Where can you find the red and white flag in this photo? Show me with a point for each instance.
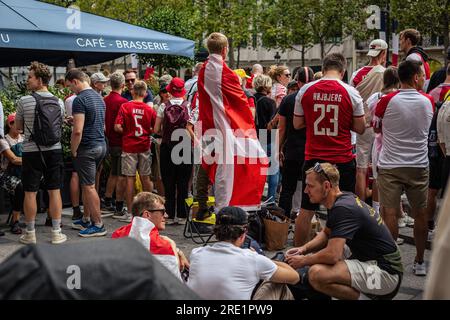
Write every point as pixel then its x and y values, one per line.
pixel 240 174
pixel 145 232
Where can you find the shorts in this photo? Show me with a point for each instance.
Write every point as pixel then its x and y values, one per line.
pixel 347 172
pixel 364 144
pixel 132 162
pixel 368 278
pixel 33 170
pixel 392 182
pixel 436 180
pixel 87 162
pixel 116 160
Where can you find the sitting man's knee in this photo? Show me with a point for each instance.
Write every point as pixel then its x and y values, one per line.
pixel 317 275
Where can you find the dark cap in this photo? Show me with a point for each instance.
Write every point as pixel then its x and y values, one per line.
pixel 292 84
pixel 162 88
pixel 232 216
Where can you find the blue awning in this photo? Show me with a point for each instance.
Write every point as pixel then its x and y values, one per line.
pixel 33 30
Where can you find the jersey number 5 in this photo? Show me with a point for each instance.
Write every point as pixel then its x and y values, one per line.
pixel 138 132
pixel 325 130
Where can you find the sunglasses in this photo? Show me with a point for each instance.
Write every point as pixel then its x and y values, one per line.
pixel 288 75
pixel 130 80
pixel 163 211
pixel 318 169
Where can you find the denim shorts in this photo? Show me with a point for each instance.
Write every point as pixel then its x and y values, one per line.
pixel 87 162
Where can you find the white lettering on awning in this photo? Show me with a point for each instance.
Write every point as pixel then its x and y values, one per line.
pixel 4 37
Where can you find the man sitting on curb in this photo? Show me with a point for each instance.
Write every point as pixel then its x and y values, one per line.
pixel 224 271
pixel 375 266
pixel 149 217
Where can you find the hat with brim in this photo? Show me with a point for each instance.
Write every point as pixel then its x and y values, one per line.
pixel 241 73
pixel 99 77
pixel 176 88
pixel 376 46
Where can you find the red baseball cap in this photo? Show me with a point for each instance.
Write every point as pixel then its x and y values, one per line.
pixel 11 117
pixel 176 88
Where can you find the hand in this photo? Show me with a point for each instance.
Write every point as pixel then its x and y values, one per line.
pixel 296 261
pixel 184 263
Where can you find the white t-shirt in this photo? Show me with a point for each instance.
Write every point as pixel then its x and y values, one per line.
pixel 68 104
pixel 405 121
pixel 225 272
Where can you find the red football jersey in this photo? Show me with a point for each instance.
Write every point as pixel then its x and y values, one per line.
pixel 328 107
pixel 137 120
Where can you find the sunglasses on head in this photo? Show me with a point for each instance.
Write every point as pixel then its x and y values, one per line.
pixel 318 169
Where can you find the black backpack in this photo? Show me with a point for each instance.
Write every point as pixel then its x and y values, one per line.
pixel 48 120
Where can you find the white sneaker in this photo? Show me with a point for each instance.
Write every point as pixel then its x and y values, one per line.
pixel 408 220
pixel 419 269
pixel 400 241
pixel 29 237
pixel 401 223
pixel 127 218
pixel 58 237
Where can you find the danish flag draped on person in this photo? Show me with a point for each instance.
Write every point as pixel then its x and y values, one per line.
pixel 240 169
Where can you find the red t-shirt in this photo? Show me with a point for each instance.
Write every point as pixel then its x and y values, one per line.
pixel 328 107
pixel 113 102
pixel 137 120
pixel 249 83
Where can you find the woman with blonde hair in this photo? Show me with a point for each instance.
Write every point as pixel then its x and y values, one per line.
pixel 280 76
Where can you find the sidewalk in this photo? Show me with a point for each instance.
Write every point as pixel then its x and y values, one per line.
pixel 411 288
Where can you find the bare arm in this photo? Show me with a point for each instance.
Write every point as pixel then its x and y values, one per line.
pixel 330 255
pixel 282 131
pixel 359 125
pixel 318 243
pixel 158 123
pixel 77 132
pixel 299 122
pixel 17 161
pixel 285 274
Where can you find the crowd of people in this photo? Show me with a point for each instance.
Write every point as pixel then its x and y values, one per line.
pixel 377 139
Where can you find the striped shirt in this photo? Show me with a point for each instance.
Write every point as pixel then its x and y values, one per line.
pixel 25 110
pixel 91 104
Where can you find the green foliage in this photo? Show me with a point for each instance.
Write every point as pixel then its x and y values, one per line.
pixel 174 22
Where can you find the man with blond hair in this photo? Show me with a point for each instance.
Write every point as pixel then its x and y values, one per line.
pixel 375 266
pixel 135 121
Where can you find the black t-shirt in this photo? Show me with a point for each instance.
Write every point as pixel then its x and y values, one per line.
pixel 265 110
pixel 365 232
pixel 294 148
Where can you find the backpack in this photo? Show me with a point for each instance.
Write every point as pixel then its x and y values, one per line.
pixel 175 117
pixel 48 120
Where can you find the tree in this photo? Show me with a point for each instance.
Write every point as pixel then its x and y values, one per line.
pixel 175 22
pixel 429 17
pixel 234 18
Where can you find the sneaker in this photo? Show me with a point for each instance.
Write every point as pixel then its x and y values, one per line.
pixel 120 214
pixel 29 237
pixel 93 231
pixel 419 269
pixel 400 241
pixel 126 218
pixel 109 206
pixel 58 237
pixel 15 228
pixel 80 224
pixel 408 220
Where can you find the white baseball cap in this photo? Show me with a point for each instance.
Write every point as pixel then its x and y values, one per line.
pixel 376 46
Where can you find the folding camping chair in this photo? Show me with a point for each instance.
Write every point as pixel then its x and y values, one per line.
pixel 191 229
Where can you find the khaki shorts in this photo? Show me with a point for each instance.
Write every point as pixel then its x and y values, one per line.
pixel 136 161
pixel 368 278
pixel 364 144
pixel 392 182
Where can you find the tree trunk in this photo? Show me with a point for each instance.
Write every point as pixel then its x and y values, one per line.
pixel 231 53
pixel 446 31
pixel 322 49
pixel 238 57
pixel 303 56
